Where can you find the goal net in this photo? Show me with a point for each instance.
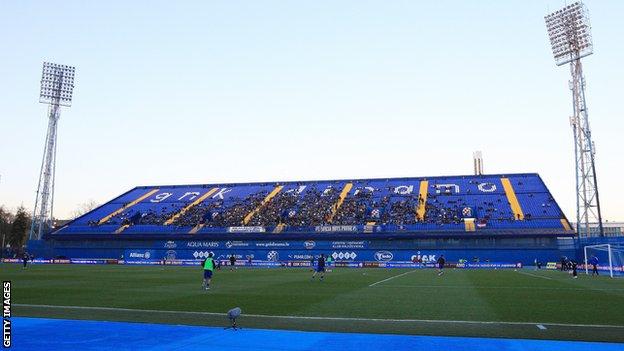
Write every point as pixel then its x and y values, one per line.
pixel 609 259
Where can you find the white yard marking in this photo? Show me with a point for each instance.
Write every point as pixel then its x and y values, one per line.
pixel 394 276
pixel 347 319
pixel 535 275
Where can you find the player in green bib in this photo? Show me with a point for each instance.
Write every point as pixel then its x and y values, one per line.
pixel 209 265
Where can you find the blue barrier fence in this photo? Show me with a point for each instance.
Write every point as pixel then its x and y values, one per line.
pixel 304 250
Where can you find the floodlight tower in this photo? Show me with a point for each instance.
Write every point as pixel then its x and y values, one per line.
pixel 57 87
pixel 569 31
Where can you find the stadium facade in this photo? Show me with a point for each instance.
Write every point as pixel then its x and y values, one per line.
pixel 496 218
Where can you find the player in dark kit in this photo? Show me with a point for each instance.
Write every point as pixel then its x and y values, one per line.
pixel 594 262
pixel 232 262
pixel 209 265
pixel 25 260
pixel 320 267
pixel 441 262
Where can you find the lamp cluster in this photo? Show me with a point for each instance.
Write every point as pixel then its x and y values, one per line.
pixel 57 84
pixel 569 31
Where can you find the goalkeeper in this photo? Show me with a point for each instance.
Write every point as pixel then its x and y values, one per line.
pixel 209 265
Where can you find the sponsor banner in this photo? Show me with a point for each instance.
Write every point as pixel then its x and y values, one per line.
pixel 307 257
pixel 335 228
pixel 402 265
pixel 309 244
pixel 59 261
pixel 371 264
pixel 349 264
pixel 252 229
pixel 38 261
pixel 236 244
pixel 87 261
pixel 551 265
pixel 601 268
pixel 144 262
pixel 266 264
pixel 346 256
pixel 299 264
pixel 139 255
pixel 202 244
pixel 489 265
pixel 423 258
pixel 273 244
pixel 383 256
pixel 348 244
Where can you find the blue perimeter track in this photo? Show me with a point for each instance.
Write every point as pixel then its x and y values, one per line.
pixel 64 334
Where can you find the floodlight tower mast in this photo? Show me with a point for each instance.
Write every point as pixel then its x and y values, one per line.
pixel 569 31
pixel 57 86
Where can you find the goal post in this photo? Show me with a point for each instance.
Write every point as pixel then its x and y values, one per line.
pixel 611 254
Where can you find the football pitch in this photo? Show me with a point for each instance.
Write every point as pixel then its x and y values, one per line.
pixel 486 303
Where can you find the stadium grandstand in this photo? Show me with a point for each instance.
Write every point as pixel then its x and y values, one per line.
pixel 488 217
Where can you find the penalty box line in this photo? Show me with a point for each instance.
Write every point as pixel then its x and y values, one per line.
pixel 346 319
pixel 394 276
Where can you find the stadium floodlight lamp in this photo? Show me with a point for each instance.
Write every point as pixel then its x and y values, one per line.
pixel 57 84
pixel 569 31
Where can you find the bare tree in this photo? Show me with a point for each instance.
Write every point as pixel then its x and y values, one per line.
pixel 84 208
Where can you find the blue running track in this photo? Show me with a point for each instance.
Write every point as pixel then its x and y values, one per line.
pixel 62 334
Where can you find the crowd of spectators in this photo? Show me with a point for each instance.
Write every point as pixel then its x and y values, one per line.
pixel 321 206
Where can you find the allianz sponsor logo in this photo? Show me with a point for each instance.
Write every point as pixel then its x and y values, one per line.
pixel 144 255
pixel 200 244
pixel 309 244
pixel 273 244
pixel 384 256
pixel 231 244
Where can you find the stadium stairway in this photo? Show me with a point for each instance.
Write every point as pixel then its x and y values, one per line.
pixel 343 194
pixel 422 205
pixel 264 202
pixel 127 206
pixel 188 207
pixel 513 200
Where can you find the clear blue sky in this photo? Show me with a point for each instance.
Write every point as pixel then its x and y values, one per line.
pixel 226 91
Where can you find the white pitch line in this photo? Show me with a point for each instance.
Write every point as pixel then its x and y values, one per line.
pixel 541 327
pixel 493 287
pixel 535 275
pixel 347 319
pixel 394 276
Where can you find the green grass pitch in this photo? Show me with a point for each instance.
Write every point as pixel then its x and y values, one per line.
pixel 491 303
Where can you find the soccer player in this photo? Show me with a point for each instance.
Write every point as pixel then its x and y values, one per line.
pixel 594 262
pixel 209 266
pixel 574 273
pixel 232 262
pixel 320 267
pixel 329 263
pixel 441 262
pixel 25 260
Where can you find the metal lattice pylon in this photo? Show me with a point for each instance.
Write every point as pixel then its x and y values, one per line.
pixel 57 84
pixel 569 32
